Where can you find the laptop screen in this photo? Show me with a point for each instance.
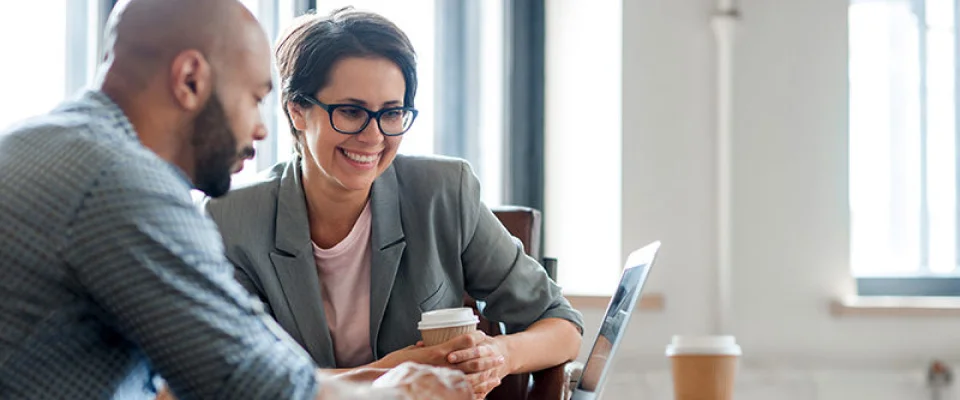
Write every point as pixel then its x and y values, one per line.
pixel 615 320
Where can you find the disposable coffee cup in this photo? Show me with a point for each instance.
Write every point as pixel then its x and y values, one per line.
pixel 704 367
pixel 439 326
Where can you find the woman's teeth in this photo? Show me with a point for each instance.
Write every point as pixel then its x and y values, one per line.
pixel 360 157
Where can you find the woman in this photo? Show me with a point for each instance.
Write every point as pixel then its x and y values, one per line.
pixel 348 243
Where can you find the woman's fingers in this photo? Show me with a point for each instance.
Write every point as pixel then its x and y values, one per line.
pixel 465 341
pixel 469 354
pixel 480 364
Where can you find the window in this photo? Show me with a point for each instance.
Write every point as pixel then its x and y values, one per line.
pixel 491 99
pixel 36 43
pixel 903 146
pixel 584 191
pixel 273 16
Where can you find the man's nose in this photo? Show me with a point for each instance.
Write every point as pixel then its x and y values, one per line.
pixel 260 133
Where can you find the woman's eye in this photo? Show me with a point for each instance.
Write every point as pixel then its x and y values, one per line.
pixel 395 114
pixel 350 112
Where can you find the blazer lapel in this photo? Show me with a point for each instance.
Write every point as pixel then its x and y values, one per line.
pixel 296 269
pixel 387 242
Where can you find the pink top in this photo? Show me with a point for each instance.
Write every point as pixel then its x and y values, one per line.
pixel 344 272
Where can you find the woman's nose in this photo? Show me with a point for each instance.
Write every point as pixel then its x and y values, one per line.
pixel 371 134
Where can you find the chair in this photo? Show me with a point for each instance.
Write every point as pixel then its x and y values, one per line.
pixel 524 223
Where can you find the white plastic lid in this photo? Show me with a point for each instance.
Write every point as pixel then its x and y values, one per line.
pixel 447 317
pixel 704 345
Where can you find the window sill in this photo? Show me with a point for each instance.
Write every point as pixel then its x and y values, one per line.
pixel 872 306
pixel 653 302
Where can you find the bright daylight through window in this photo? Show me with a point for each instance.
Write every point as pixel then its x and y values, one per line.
pixel 903 138
pixel 33 75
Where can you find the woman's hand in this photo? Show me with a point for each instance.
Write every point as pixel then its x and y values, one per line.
pixel 471 353
pixel 485 363
pixel 431 355
pixel 419 381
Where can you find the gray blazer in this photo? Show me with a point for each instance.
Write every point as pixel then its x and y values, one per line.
pixel 432 238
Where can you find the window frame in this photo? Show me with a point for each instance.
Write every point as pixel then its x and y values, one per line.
pixel 923 282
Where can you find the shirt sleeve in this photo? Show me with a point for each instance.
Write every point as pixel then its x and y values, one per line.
pixel 515 288
pixel 155 264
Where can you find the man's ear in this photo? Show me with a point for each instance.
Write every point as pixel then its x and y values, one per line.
pixel 297 115
pixel 191 79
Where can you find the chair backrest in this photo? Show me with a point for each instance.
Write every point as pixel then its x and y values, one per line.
pixel 524 224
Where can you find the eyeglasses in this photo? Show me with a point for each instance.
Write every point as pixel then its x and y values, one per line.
pixel 351 119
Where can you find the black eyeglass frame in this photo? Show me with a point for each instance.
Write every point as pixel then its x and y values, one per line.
pixel 330 108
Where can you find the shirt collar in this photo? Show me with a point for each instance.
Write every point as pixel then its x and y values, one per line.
pixel 111 111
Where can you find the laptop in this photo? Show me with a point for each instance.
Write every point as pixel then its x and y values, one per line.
pixel 615 321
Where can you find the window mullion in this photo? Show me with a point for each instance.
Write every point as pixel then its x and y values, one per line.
pixel 956 125
pixel 923 32
pixel 267 154
pixel 76 56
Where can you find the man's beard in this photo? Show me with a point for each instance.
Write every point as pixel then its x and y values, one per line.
pixel 215 149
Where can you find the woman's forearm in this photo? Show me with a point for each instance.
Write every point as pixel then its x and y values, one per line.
pixel 546 343
pixel 382 364
pixel 334 371
pixel 363 374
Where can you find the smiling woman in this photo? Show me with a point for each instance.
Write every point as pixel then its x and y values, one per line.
pixel 349 242
pixel 346 149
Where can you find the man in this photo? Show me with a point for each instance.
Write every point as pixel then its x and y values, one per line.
pixel 110 275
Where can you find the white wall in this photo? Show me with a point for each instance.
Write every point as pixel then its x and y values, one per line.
pixel 668 149
pixel 790 213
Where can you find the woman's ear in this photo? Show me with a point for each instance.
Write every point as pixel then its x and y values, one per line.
pixel 297 116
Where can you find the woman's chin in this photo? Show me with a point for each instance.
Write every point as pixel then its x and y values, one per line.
pixel 355 183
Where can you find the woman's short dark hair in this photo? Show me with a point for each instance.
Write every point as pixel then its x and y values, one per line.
pixel 308 49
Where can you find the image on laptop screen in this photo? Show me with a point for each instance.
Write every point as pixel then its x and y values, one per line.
pixel 614 324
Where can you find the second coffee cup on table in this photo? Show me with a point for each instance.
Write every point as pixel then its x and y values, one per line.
pixel 438 326
pixel 704 367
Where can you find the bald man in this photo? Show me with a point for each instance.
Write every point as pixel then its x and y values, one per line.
pixel 110 276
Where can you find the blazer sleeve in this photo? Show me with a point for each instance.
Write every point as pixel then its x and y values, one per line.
pixel 515 288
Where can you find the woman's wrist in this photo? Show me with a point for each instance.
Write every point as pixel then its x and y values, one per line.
pixel 511 361
pixel 389 361
pixel 381 363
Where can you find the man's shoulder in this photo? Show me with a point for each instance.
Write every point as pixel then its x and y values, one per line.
pixel 57 149
pixel 70 151
pixel 66 136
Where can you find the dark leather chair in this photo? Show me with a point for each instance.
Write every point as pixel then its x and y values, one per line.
pixel 524 223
